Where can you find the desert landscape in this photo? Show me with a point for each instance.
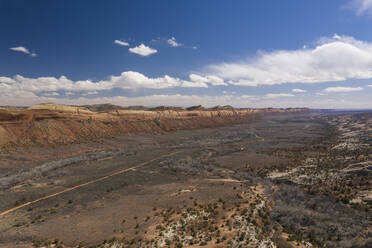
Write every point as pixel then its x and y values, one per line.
pixel 185 124
pixel 108 176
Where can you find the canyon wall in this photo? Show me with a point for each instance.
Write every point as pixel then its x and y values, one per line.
pixel 52 124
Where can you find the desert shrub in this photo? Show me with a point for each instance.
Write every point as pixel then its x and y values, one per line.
pixel 320 219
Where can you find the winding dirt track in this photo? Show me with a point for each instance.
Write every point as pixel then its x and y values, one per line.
pixel 87 183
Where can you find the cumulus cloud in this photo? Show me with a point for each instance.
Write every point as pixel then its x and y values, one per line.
pixel 298 91
pixel 343 89
pixel 131 79
pixel 19 98
pixel 126 80
pixel 194 84
pixel 213 80
pixel 272 95
pixel 143 50
pixel 6 80
pixel 23 50
pixel 54 84
pixel 361 6
pixel 334 59
pixel 172 41
pixel 121 43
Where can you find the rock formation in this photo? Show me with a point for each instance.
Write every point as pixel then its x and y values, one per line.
pixel 46 124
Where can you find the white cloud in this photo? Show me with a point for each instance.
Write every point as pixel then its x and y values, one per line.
pixel 20 49
pixel 334 59
pixel 131 80
pixel 248 97
pixel 126 80
pixel 169 100
pixel 213 80
pixel 271 95
pixel 89 93
pixel 151 100
pixel 298 91
pixel 143 50
pixel 361 6
pixel 51 94
pixel 21 98
pixel 24 98
pixel 343 89
pixel 121 43
pixel 370 85
pixel 194 84
pixel 6 80
pixel 172 41
pixel 54 84
pixel 23 50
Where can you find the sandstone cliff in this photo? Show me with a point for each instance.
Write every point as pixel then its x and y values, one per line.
pixel 47 124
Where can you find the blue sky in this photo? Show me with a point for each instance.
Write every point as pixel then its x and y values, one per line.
pixel 258 53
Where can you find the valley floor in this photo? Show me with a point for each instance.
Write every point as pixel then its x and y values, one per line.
pixel 291 180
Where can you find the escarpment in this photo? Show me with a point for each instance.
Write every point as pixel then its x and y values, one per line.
pixel 47 124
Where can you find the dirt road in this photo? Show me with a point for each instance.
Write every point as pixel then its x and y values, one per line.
pixel 87 183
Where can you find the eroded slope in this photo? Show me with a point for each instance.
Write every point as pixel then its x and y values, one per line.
pixel 48 124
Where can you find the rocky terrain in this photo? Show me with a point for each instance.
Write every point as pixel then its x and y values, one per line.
pixel 49 124
pixel 195 177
